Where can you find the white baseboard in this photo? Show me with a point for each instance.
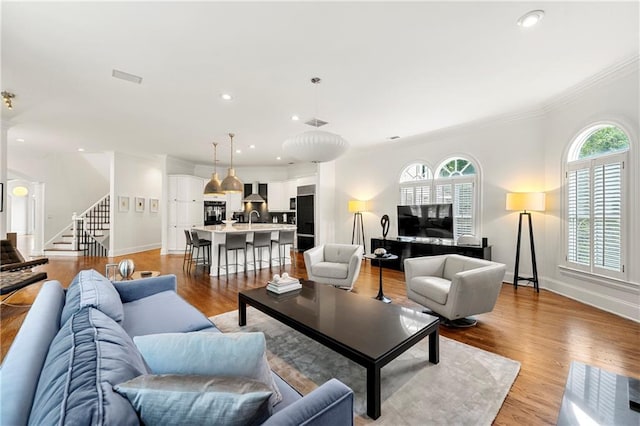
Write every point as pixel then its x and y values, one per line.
pixel 623 308
pixel 136 249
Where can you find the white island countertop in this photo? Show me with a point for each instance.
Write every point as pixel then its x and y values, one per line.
pixel 217 236
pixel 245 227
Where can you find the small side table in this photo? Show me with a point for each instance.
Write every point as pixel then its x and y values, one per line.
pixel 381 259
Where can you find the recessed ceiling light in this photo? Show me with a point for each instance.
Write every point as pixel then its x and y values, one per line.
pixel 295 118
pixel 238 151
pixel 278 158
pixel 252 146
pixel 80 149
pixel 226 96
pixel 529 19
pixel 19 140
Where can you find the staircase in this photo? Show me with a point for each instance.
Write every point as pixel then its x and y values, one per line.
pixel 87 235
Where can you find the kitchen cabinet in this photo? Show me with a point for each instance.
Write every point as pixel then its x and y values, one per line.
pixel 185 209
pixel 234 203
pixel 280 193
pixel 276 196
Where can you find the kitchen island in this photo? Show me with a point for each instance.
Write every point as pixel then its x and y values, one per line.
pixel 216 233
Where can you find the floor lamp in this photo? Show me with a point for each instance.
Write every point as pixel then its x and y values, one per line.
pixel 357 234
pixel 523 202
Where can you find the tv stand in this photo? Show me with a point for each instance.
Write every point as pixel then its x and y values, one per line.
pixel 405 247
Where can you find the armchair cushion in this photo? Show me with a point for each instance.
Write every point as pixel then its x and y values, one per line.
pixel 435 288
pixel 331 270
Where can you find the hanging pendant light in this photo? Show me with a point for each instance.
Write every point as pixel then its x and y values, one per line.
pixel 316 146
pixel 231 183
pixel 214 187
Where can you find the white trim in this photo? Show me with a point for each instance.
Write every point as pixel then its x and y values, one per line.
pixel 135 249
pixel 622 308
pixel 618 70
pixel 603 280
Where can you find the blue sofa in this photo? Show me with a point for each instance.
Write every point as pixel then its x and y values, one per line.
pixel 149 306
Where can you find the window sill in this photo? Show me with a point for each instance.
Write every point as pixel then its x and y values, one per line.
pixel 614 283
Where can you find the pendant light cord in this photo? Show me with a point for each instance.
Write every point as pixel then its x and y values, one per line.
pixel 215 157
pixel 231 135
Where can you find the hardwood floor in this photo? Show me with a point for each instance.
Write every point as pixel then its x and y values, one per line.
pixel 544 331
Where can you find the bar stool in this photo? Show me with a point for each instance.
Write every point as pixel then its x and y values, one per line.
pixel 284 238
pixel 200 243
pixel 188 250
pixel 261 240
pixel 233 241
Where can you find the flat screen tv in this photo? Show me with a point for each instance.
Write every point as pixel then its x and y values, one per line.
pixel 426 221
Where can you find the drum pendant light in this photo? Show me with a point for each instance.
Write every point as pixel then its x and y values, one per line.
pixel 316 146
pixel 231 183
pixel 214 187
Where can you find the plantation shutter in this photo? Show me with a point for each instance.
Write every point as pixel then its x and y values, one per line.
pixel 579 216
pixel 607 215
pixel 415 194
pixel 463 209
pixel 594 213
pixel 460 193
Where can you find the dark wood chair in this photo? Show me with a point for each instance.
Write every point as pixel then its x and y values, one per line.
pixel 15 271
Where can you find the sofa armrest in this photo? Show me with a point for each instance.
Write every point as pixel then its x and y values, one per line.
pixel 426 266
pixel 137 289
pixel 23 363
pixel 313 256
pixel 330 404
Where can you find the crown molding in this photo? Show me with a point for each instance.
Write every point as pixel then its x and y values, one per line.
pixel 612 73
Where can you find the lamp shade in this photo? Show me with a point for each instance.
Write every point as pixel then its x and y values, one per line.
pixel 522 201
pixel 213 187
pixel 231 183
pixel 316 146
pixel 356 206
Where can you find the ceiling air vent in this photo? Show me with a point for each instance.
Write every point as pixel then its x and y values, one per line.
pixel 316 122
pixel 126 76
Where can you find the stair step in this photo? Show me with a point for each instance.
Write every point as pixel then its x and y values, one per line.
pixel 62 252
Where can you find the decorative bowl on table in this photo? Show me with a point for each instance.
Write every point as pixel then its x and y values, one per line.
pixel 229 223
pixel 380 252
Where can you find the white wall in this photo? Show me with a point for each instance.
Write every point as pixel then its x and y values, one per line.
pixel 520 153
pixel 135 176
pixel 613 99
pixel 73 181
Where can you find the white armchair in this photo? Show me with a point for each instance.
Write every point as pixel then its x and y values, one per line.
pixel 454 286
pixel 334 264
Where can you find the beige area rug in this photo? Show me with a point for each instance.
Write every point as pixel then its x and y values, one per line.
pixel 467 387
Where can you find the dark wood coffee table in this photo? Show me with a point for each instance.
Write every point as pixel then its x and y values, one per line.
pixel 364 330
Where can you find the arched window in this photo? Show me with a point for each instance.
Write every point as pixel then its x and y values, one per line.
pixel 456 183
pixel 595 199
pixel 415 184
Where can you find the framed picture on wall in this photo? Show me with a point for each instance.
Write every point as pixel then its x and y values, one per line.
pixel 154 205
pixel 139 204
pixel 123 203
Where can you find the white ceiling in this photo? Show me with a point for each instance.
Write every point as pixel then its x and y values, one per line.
pixel 387 68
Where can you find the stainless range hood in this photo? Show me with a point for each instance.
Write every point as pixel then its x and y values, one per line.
pixel 254 197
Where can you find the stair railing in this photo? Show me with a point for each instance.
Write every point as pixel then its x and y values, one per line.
pixel 85 224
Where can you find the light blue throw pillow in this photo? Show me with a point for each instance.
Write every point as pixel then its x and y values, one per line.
pixel 210 354
pixel 90 288
pixel 197 400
